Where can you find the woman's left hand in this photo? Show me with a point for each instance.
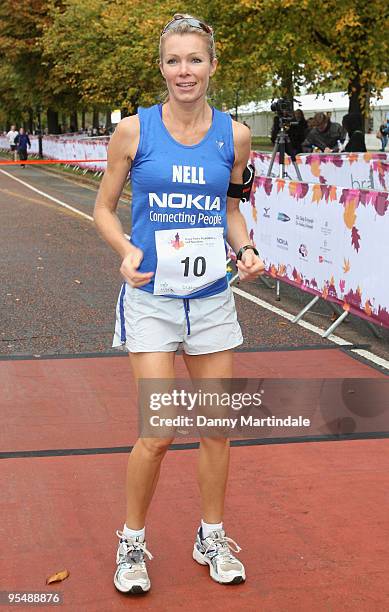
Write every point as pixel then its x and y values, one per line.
pixel 250 266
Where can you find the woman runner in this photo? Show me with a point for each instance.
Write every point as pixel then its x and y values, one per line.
pixel 182 154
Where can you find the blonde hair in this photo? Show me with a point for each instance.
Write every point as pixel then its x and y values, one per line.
pixel 186 28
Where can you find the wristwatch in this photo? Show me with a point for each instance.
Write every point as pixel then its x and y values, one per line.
pixel 245 248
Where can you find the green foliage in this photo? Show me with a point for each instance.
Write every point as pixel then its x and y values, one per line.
pixel 104 53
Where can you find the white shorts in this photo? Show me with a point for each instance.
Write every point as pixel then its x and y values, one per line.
pixel 156 323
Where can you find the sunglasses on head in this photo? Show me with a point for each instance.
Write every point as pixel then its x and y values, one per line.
pixel 193 23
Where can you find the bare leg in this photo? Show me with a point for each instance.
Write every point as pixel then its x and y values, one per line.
pixel 214 452
pixel 144 462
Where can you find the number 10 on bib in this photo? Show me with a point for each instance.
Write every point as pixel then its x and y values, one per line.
pixel 188 259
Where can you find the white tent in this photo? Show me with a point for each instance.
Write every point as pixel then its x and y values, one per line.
pixel 260 118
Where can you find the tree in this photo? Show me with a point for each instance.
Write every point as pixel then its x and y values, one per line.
pixel 24 85
pixel 317 45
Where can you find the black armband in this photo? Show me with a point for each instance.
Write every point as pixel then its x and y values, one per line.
pixel 243 190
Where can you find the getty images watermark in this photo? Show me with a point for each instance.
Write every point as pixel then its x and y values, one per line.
pixel 262 408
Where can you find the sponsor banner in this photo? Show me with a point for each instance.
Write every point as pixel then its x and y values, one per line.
pixel 353 170
pixel 59 147
pixel 329 241
pixel 381 174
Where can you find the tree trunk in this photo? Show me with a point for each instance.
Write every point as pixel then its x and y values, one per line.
pixel 287 86
pixel 236 104
pixel 52 121
pixel 95 120
pixel 30 122
pixel 108 123
pixel 356 105
pixel 83 113
pixel 74 121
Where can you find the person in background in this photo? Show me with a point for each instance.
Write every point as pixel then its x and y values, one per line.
pixel 22 140
pixel 310 124
pixel 383 134
pixel 11 139
pixel 353 124
pixel 298 132
pixel 326 135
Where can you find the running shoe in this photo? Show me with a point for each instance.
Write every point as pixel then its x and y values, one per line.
pixel 215 551
pixel 131 574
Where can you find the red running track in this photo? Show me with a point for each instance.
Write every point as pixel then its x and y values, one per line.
pixel 311 517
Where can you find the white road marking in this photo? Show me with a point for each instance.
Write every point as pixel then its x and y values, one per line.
pixel 313 328
pixel 46 195
pixel 49 197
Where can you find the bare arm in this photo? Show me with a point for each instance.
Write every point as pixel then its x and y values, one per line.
pixel 121 151
pixel 250 265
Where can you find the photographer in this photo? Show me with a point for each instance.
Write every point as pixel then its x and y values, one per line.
pixel 298 131
pixel 353 124
pixel 325 136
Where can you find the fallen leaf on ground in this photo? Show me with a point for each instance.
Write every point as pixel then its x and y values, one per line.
pixel 58 577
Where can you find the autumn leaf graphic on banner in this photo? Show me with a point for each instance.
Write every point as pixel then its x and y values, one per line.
pixel 280 185
pixel 292 188
pixel 302 190
pixel 316 193
pixel 337 161
pixel 254 212
pixel 353 157
pixel 333 194
pixel 342 285
pixel 297 276
pixel 381 203
pixel 268 186
pixel 368 308
pixel 353 298
pixel 315 167
pixel 355 238
pixel 346 265
pixel 349 215
pixel 298 190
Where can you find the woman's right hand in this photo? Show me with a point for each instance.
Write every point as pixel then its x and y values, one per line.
pixel 129 267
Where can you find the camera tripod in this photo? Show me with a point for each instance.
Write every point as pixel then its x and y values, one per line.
pixel 282 145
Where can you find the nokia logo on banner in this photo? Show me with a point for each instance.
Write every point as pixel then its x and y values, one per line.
pixel 283 217
pixel 282 242
pixel 184 200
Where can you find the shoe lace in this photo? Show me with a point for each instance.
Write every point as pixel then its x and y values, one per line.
pixel 132 552
pixel 222 544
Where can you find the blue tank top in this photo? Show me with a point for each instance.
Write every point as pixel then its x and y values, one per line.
pixel 180 188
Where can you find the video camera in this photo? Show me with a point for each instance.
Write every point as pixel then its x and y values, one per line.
pixel 284 109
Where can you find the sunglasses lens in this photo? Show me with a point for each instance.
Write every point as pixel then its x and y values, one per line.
pixel 194 23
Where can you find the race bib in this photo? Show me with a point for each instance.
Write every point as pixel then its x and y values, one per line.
pixel 188 259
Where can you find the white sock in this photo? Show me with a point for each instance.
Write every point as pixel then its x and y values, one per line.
pixel 208 527
pixel 134 533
